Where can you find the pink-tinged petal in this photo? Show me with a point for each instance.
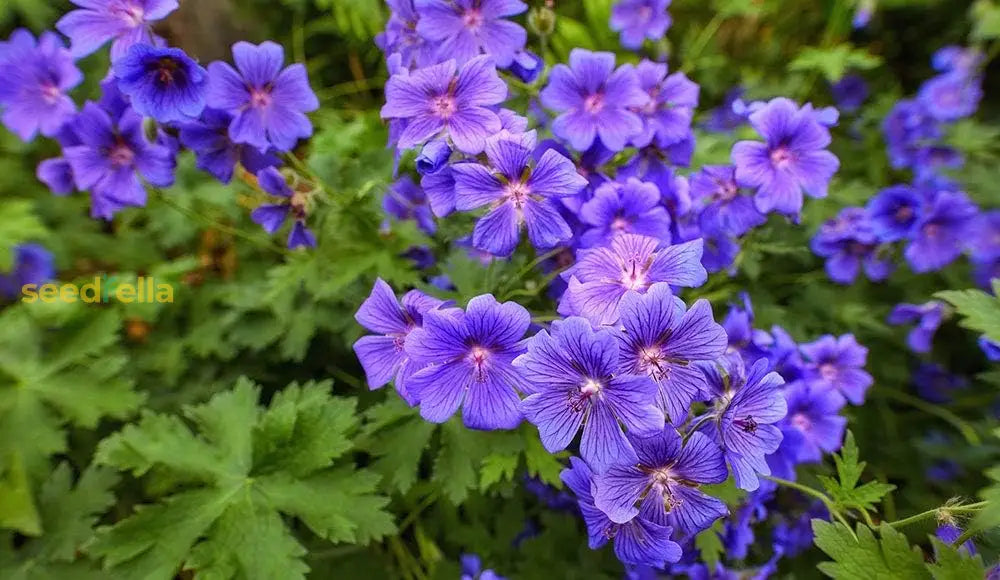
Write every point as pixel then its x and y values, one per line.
pixel 680 265
pixel 380 312
pixel 441 389
pixel 381 357
pixel 479 85
pixel 470 127
pixel 555 176
pixel 557 422
pixel 493 403
pixel 258 64
pixel 603 444
pixel 546 227
pixel 498 231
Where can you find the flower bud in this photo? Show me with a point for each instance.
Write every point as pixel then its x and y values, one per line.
pixel 433 157
pixel 542 20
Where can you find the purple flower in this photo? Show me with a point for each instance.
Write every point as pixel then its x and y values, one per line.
pixel 938 237
pixel 433 157
pixel 268 103
pixel 405 200
pixel 662 339
pixel 990 348
pixel 957 59
pixel 527 66
pixel 434 103
pixel 383 357
pixel 750 402
pixel 517 194
pixel 472 569
pixel 931 159
pixel 928 318
pixel 33 264
pixel 602 276
pixel 723 119
pixel 949 534
pixel 792 158
pixel 467 28
pixel 216 152
pixel 895 212
pixel 162 83
pixel 838 364
pixel 594 100
pixel 631 207
pixel 577 382
pixel 745 340
pixel 728 210
pixel 638 20
pixel 849 242
pixel 983 241
pixel 470 356
pixel 813 426
pixel 125 22
pixel 35 82
pixel 667 115
pixel 112 156
pixel 662 485
pixel 863 14
pixel 951 96
pixel 935 384
pixel 720 252
pixel 850 92
pixel 293 204
pixel 402 38
pixel 906 128
pixel 638 542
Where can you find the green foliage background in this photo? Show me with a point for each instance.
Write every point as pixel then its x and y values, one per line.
pixel 232 431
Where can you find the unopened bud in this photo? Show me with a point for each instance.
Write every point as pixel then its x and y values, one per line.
pixel 542 20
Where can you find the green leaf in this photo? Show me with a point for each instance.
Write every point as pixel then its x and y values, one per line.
pixel 67 516
pixel 709 543
pixel 455 467
pixel 980 311
pixel 951 563
pixel 18 224
pixel 844 491
pixel 17 506
pixel 866 557
pixel 833 62
pixel 242 469
pixel 397 436
pixel 985 20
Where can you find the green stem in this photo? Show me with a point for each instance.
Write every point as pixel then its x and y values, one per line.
pixel 957 422
pixel 933 513
pixel 413 515
pixel 207 221
pixel 818 495
pixel 698 46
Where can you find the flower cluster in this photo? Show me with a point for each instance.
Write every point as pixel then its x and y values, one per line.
pixel 656 398
pixel 155 100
